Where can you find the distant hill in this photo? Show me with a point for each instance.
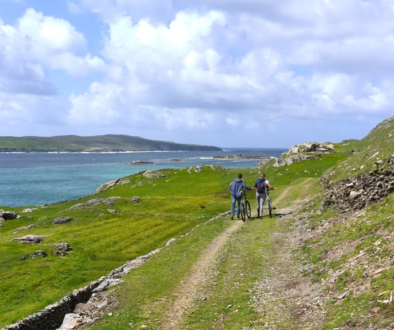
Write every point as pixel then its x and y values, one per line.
pixel 101 143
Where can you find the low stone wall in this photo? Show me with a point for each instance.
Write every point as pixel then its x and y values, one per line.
pixel 360 191
pixel 52 316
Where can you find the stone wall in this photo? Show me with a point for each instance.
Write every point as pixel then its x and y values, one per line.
pixel 52 316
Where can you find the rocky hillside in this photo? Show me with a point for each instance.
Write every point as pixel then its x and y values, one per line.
pixel 350 244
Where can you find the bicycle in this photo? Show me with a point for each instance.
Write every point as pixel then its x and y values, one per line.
pixel 246 211
pixel 269 202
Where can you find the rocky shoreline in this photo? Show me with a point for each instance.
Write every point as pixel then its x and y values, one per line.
pixel 241 157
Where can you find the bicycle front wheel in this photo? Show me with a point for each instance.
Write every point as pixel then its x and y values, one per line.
pixel 243 212
pixel 269 204
pixel 248 209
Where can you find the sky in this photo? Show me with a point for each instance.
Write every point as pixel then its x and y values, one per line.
pixel 240 73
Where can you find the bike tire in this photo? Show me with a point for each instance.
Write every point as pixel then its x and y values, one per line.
pixel 243 212
pixel 248 209
pixel 269 204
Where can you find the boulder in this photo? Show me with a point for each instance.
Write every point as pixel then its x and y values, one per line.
pixel 355 194
pixel 61 249
pixel 123 182
pixel 175 160
pixel 152 174
pixel 62 220
pixel 29 239
pixel 106 185
pixel 107 283
pixel 71 321
pixel 29 210
pixel 7 215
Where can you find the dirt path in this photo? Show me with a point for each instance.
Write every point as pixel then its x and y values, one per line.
pixel 200 274
pixel 198 277
pixel 286 191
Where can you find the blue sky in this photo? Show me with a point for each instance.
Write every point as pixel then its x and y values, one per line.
pixel 251 73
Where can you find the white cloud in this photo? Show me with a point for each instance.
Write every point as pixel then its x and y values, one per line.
pixel 220 64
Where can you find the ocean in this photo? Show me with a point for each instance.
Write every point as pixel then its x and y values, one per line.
pixel 28 179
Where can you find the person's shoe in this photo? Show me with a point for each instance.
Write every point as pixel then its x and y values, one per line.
pixel 232 217
pixel 261 217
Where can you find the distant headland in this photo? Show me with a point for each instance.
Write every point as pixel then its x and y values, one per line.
pixel 100 143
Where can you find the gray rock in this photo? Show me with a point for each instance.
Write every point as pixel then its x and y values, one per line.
pixel 7 215
pixel 61 249
pixel 113 211
pixel 175 160
pixel 107 185
pixel 107 283
pixel 62 220
pixel 29 239
pixel 39 253
pixel 141 162
pixel 29 210
pixel 71 321
pixel 152 174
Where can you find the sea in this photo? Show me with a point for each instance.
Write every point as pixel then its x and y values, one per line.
pixel 29 179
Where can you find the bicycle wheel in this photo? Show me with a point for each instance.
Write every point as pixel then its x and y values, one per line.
pixel 243 212
pixel 269 204
pixel 248 209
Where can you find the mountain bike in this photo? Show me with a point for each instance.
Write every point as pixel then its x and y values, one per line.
pixel 269 202
pixel 246 211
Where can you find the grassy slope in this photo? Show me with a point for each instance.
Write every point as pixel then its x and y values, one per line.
pixel 79 143
pixel 366 233
pixel 101 244
pixel 150 290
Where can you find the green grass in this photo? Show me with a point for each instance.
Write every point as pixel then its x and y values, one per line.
pixel 102 243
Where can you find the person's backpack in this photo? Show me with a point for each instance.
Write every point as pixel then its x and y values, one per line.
pixel 261 187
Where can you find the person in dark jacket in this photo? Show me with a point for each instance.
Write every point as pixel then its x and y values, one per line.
pixel 261 193
pixel 236 189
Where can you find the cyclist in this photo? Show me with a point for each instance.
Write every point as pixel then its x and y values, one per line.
pixel 236 188
pixel 261 193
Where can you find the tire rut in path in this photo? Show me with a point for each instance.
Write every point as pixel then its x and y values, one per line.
pixel 200 272
pixel 286 191
pixel 199 275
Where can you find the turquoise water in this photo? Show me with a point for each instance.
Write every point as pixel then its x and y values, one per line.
pixel 28 179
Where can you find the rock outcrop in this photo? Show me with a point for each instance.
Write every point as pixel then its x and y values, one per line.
pixel 282 161
pixel 29 239
pixel 7 215
pixel 62 220
pixel 358 192
pixel 61 249
pixel 39 253
pixel 175 160
pixel 141 162
pixel 95 202
pixel 153 174
pixel 312 147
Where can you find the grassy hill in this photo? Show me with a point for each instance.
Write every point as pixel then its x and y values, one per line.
pixel 344 259
pixel 73 143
